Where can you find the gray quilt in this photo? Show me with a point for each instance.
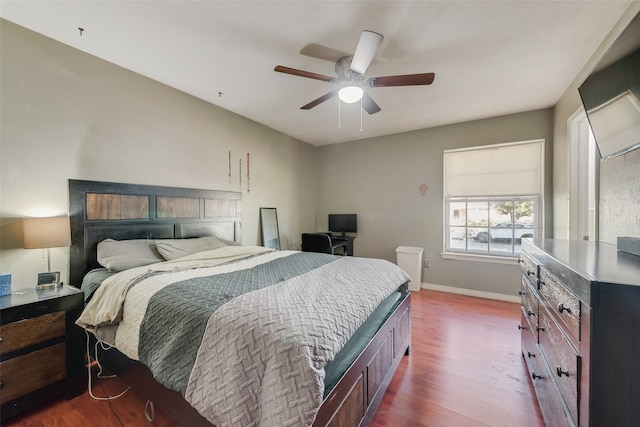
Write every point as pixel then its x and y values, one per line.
pixel 246 344
pixel 177 315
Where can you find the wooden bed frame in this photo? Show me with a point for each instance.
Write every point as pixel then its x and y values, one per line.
pixel 100 210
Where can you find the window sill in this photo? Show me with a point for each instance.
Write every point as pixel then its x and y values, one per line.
pixel 480 258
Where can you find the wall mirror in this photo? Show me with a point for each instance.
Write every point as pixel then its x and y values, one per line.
pixel 269 225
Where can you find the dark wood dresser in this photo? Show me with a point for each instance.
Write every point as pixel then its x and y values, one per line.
pixel 581 331
pixel 41 348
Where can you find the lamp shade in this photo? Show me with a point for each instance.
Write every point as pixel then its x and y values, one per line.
pixel 46 232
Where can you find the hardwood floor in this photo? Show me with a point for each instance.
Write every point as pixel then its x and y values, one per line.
pixel 465 369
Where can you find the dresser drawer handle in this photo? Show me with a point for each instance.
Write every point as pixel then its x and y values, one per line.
pixel 531 273
pixel 521 293
pixel 536 376
pixel 522 327
pixel 562 308
pixel 560 372
pixel 530 354
pixel 539 328
pixel 531 313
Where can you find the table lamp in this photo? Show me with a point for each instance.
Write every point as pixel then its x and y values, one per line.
pixel 47 233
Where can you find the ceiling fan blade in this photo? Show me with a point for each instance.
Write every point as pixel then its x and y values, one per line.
pixel 322 52
pixel 365 51
pixel 301 73
pixel 404 80
pixel 369 104
pixel 320 100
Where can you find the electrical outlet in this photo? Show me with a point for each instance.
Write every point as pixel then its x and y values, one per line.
pixel 426 263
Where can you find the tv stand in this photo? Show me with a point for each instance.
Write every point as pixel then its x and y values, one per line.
pixel 346 239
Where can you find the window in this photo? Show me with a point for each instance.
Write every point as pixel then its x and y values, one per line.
pixel 491 225
pixel 493 198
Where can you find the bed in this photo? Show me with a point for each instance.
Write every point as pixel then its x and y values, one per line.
pixel 334 328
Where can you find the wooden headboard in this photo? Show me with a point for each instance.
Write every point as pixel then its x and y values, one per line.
pixel 101 210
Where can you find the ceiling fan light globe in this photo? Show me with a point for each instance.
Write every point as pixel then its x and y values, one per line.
pixel 350 94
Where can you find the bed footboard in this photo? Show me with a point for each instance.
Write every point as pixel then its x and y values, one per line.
pixel 355 399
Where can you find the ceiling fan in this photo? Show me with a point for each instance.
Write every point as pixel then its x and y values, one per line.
pixel 350 71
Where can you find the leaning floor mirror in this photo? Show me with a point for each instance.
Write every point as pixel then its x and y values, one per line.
pixel 269 224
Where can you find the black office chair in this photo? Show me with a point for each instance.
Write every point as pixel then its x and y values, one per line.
pixel 321 242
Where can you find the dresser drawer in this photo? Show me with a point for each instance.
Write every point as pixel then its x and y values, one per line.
pixel 529 269
pixel 529 301
pixel 562 303
pixel 27 332
pixel 529 342
pixel 562 359
pixel 553 408
pixel 24 374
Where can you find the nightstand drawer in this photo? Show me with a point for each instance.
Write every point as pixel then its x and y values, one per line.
pixel 24 374
pixel 41 350
pixel 27 332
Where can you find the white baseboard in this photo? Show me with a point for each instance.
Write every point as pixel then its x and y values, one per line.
pixel 471 292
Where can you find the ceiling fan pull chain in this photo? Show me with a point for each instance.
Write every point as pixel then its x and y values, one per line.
pixel 339 115
pixel 360 114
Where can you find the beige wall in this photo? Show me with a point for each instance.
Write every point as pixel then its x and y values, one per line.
pixel 68 115
pixel 379 179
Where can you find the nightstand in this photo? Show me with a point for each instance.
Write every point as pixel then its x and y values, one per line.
pixel 41 348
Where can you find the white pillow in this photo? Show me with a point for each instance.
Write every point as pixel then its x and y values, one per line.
pixel 177 248
pixel 230 242
pixel 119 255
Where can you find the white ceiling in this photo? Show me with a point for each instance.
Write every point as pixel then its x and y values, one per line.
pixel 490 57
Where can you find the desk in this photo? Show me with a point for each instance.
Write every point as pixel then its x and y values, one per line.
pixel 344 239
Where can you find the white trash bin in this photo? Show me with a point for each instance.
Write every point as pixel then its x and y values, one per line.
pixel 410 260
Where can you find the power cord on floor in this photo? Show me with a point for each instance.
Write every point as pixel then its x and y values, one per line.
pixel 104 347
pixel 150 411
pixel 115 414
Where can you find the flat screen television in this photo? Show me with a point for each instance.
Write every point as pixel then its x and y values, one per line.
pixel 343 223
pixel 611 95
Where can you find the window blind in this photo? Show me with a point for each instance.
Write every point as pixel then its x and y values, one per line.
pixel 495 170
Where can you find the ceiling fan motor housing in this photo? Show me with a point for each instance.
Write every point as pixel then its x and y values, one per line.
pixel 344 72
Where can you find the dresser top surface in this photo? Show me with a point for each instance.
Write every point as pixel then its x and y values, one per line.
pixel 596 261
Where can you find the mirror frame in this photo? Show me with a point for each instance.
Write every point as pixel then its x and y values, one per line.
pixel 269 226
